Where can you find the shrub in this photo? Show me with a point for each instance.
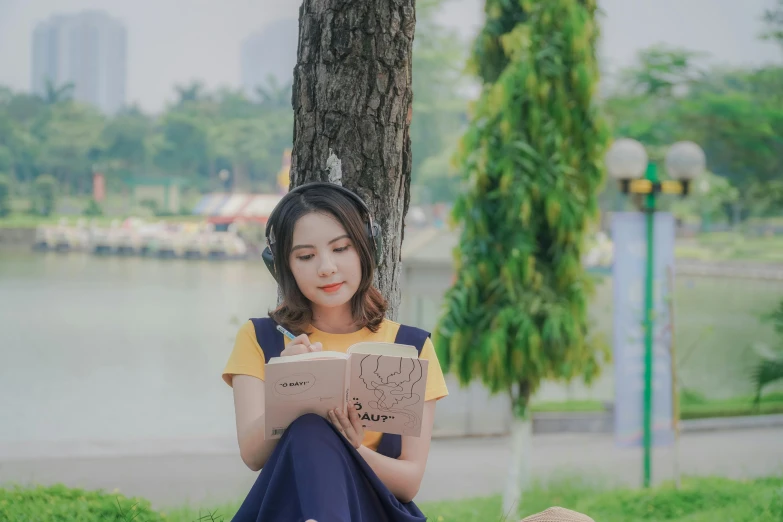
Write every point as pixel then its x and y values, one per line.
pixel 93 209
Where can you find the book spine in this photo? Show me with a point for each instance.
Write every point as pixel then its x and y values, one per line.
pixel 347 384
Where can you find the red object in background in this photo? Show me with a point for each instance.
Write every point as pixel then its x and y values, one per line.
pixel 98 187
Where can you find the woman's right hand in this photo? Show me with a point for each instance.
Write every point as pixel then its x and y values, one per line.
pixel 299 345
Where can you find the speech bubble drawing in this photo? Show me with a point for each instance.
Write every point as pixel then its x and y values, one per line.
pixel 295 384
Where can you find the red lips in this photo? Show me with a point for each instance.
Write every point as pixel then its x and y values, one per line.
pixel 332 288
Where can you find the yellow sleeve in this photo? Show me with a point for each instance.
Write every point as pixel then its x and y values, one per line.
pixel 247 357
pixel 436 384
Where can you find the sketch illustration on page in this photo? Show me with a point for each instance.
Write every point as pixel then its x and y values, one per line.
pixel 391 381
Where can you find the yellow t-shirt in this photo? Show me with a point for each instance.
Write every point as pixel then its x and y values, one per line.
pixel 247 358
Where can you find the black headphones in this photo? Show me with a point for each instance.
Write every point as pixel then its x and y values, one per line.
pixel 373 229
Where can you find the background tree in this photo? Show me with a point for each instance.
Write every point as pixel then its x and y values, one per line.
pixel 54 94
pixel 70 142
pixel 439 105
pixel 737 117
pixel 272 95
pixel 517 313
pixel 352 102
pixel 773 24
pixel 734 114
pixel 45 195
pixel 662 71
pixel 5 195
pixel 202 131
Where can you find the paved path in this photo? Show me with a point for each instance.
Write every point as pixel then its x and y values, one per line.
pixel 457 468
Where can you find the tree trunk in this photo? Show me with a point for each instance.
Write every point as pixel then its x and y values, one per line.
pixel 352 101
pixel 519 465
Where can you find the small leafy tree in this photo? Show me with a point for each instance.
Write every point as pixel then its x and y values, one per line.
pixel 5 195
pixel 517 313
pixel 44 195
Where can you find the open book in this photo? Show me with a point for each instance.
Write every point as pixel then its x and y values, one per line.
pixel 384 381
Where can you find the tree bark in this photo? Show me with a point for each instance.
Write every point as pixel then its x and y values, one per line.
pixel 352 100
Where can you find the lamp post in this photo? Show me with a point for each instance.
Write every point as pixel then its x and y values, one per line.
pixel 627 162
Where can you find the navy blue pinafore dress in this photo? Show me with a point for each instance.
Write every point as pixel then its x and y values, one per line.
pixel 315 473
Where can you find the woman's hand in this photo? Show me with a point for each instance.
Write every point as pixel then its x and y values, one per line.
pixel 299 345
pixel 349 425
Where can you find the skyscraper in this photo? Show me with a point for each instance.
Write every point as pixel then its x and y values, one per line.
pixel 270 52
pixel 87 49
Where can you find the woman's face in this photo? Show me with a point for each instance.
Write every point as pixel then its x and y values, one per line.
pixel 324 261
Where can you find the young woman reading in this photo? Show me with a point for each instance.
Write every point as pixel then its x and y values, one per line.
pixel 323 249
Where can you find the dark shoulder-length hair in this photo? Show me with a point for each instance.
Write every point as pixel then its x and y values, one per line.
pixel 368 306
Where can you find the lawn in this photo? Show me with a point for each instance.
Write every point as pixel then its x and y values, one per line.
pixel 732 246
pixel 698 500
pixel 70 208
pixel 692 406
pixel 24 220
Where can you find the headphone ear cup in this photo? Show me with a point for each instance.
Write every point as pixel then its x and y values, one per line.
pixel 377 239
pixel 269 261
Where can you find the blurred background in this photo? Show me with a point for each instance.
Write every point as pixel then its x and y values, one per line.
pixel 143 145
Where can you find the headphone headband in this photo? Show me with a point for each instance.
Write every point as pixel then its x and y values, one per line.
pixel 315 185
pixel 373 230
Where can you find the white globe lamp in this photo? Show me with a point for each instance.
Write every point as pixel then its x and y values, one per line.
pixel 685 161
pixel 626 159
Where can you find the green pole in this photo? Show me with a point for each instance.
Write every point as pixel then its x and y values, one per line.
pixel 648 327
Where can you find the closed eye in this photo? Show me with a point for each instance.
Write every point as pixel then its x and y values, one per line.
pixel 307 257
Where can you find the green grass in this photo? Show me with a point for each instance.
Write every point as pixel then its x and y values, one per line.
pixel 61 504
pixel 23 220
pixel 732 246
pixel 699 500
pixel 220 513
pixel 568 406
pixel 21 217
pixel 692 406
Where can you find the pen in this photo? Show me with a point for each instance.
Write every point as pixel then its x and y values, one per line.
pixel 285 332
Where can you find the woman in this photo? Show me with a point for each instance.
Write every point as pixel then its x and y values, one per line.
pixel 323 248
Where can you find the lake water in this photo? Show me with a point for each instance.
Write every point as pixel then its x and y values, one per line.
pixel 114 349
pixel 117 355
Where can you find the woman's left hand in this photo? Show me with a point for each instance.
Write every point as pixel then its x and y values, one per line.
pixel 349 425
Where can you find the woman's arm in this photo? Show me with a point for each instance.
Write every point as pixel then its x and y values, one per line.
pixel 249 409
pixel 403 476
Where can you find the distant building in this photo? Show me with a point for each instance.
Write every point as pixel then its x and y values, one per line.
pixel 269 52
pixel 87 49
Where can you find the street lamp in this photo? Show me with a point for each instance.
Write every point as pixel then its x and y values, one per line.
pixel 627 162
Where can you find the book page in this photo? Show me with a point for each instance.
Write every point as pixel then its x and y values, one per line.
pixel 326 354
pixel 296 387
pixel 388 392
pixel 378 348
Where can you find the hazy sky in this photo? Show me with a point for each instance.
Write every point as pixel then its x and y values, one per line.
pixel 176 41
